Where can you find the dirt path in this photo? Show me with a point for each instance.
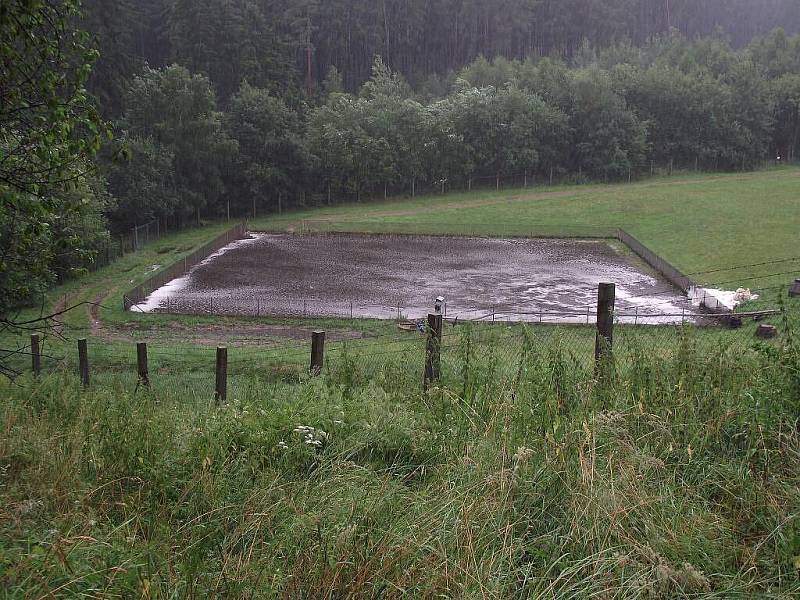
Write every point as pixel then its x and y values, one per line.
pixel 231 332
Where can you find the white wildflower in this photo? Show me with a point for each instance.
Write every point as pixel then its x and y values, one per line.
pixel 522 456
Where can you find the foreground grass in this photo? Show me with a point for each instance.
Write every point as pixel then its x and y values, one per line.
pixel 515 478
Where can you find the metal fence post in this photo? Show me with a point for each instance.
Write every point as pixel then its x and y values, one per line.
pixel 317 352
pixel 433 358
pixel 606 294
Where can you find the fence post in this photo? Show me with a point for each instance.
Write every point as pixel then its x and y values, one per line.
pixel 141 364
pixel 433 358
pixel 551 176
pixel 317 352
pixel 606 294
pixel 221 388
pixel 36 357
pixel 83 361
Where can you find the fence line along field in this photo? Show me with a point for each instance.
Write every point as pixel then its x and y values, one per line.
pixel 242 456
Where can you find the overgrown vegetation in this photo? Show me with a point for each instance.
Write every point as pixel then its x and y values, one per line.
pixel 677 478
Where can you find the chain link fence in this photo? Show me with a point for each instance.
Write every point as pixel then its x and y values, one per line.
pixel 501 351
pixel 328 193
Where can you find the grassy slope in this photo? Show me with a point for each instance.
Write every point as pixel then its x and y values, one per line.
pixel 698 222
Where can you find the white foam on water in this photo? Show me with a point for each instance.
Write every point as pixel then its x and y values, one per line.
pixel 715 299
pixel 155 300
pixel 656 306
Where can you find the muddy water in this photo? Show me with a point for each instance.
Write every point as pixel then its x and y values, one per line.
pixel 383 276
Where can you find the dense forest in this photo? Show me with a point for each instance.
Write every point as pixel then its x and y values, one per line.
pixel 115 114
pixel 289 46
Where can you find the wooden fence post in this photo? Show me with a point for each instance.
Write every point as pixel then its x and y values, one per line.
pixel 83 361
pixel 221 388
pixel 36 357
pixel 141 364
pixel 604 341
pixel 433 357
pixel 317 352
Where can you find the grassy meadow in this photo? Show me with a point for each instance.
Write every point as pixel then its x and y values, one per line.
pixel 698 222
pixel 525 473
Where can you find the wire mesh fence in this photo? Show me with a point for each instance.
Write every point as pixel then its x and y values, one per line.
pixel 502 352
pixel 321 193
pixel 412 316
pixel 139 293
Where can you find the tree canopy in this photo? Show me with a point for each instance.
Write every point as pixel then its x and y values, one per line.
pixel 49 132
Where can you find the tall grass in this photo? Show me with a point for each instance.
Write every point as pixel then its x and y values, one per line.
pixel 677 476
